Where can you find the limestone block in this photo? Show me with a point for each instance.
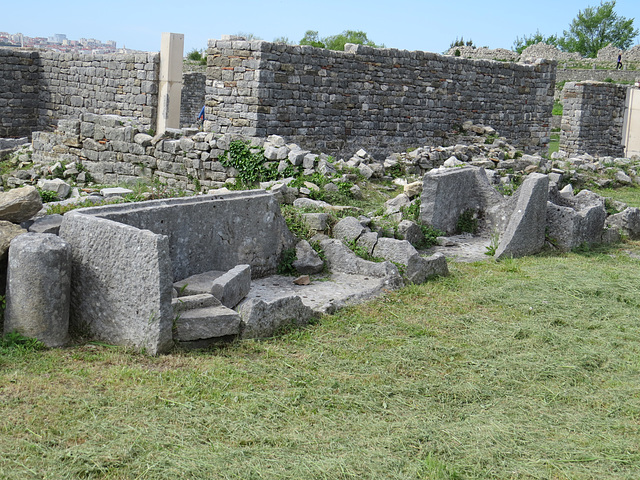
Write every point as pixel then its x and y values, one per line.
pixel 19 204
pixel 231 287
pixel 262 319
pixel 341 259
pixel 395 204
pixel 318 222
pixel 348 229
pixel 115 192
pixel 411 232
pixel 57 186
pixel 628 221
pixel 307 260
pixel 297 156
pixel 191 302
pixel 420 269
pixel 272 152
pixel 413 189
pixel 206 323
pixel 38 288
pixel 367 241
pixel 46 224
pixel 560 226
pixel 525 231
pixel 446 194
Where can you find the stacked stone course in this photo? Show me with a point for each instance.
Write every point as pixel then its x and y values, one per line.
pixel 192 99
pixel 39 88
pixel 592 119
pixel 19 86
pixel 375 98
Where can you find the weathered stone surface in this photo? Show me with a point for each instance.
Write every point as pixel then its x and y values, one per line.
pixel 38 288
pixel 19 204
pixel 307 260
pixel 46 224
pixel 115 192
pixel 411 232
pixel 399 251
pixel 525 231
pixel 192 302
pixel 318 222
pixel 420 269
pixel 57 186
pixel 262 319
pixel 231 287
pixel 368 241
pixel 413 189
pixel 121 285
pixel 205 323
pixel 307 202
pixel 341 259
pixel 396 204
pixel 201 283
pixel 560 225
pixel 446 194
pixel 348 229
pixel 628 221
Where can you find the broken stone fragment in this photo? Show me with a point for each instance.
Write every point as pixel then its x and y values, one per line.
pixel 307 260
pixel 262 319
pixel 19 204
pixel 302 280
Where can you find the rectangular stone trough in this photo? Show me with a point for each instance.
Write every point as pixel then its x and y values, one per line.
pixel 126 257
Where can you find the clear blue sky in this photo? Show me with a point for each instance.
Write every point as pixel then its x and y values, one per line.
pixel 404 24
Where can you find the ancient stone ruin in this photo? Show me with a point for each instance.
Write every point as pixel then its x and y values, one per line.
pixel 202 269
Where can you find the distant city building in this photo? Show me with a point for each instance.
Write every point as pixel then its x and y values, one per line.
pixel 60 43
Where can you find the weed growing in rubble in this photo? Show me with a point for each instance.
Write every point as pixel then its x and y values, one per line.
pixel 467 221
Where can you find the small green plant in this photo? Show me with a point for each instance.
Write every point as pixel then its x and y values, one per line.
pixel 295 222
pixel 248 162
pixel 362 252
pixel 493 246
pixel 48 196
pixel 58 172
pixel 17 341
pixel 468 221
pixel 285 267
pixel 557 108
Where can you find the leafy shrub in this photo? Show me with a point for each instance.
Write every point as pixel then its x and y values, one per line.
pixel 48 196
pixel 285 267
pixel 467 221
pixel 249 164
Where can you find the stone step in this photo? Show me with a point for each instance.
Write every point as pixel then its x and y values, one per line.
pixel 228 287
pixel 191 302
pixel 206 323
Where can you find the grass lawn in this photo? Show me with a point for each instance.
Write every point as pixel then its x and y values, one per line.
pixel 526 368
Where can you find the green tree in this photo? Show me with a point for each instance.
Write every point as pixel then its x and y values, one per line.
pixel 526 41
pixel 337 42
pixel 311 38
pixel 597 27
pixel 461 43
pixel 283 40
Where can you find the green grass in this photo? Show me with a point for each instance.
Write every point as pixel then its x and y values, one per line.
pixel 628 195
pixel 554 143
pixel 524 368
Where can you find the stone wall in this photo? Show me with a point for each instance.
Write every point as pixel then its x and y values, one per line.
pixel 592 119
pixel 378 99
pixel 114 150
pixel 598 75
pixel 19 86
pixel 43 87
pixel 193 89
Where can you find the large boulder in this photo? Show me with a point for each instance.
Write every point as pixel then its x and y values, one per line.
pixel 628 221
pixel 525 229
pixel 20 204
pixel 447 193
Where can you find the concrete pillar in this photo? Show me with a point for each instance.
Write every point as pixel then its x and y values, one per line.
pixel 631 127
pixel 38 288
pixel 170 89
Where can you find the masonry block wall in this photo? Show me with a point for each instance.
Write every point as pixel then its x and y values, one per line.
pixel 592 118
pixel 192 98
pixel 19 81
pixel 40 88
pixel 378 99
